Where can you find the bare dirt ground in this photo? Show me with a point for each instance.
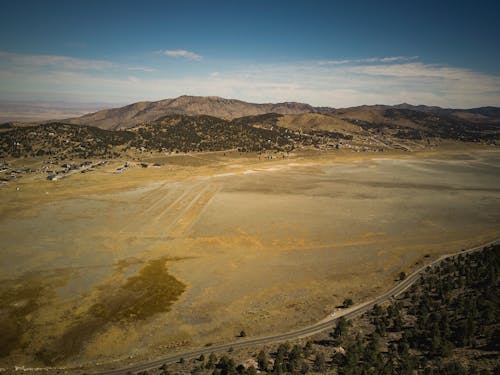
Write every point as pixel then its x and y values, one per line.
pixel 256 245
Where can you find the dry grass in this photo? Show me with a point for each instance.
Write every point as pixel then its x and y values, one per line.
pixel 152 291
pixel 262 252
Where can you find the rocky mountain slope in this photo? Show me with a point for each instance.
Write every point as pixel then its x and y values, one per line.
pixel 228 109
pixel 477 115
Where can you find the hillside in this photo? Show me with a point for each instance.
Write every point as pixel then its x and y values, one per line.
pixel 413 124
pixel 384 125
pixel 476 115
pixel 424 121
pixel 359 129
pixel 228 109
pixel 318 121
pixel 173 133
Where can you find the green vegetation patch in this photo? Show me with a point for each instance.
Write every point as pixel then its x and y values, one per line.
pixel 153 290
pixel 150 292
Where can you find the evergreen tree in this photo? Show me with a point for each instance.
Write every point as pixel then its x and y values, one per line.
pixel 262 360
pixel 320 362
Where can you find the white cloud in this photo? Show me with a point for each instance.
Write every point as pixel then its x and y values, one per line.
pixel 413 70
pixel 58 62
pixel 182 53
pixel 65 62
pixel 134 79
pixel 397 58
pixel 390 59
pixel 382 80
pixel 142 69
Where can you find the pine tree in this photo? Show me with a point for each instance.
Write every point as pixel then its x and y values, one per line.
pixel 262 360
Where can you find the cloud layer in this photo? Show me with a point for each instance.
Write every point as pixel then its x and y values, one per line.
pixel 390 59
pixel 64 62
pixel 182 53
pixel 341 83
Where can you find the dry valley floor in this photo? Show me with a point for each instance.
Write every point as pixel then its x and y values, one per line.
pixel 104 266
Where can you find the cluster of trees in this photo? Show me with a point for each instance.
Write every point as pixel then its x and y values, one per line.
pixel 62 140
pixel 454 305
pixel 285 360
pixel 394 130
pixel 175 133
pixel 431 125
pixel 206 133
pixel 457 305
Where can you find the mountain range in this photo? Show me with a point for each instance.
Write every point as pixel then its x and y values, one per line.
pixel 229 109
pixel 198 124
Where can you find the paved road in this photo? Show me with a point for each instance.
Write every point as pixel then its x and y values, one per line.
pixel 303 332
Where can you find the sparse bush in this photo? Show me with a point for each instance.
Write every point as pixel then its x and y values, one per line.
pixel 347 303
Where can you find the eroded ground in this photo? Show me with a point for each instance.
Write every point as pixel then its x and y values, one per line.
pixel 103 267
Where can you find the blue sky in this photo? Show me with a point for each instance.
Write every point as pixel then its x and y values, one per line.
pixel 335 53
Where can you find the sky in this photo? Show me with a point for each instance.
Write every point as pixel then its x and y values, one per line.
pixel 325 53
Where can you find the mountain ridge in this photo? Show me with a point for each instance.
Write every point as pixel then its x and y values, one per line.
pixel 228 109
pixel 145 111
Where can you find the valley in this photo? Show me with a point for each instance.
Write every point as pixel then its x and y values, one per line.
pixel 241 242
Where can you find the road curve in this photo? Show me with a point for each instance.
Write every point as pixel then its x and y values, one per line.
pixel 303 332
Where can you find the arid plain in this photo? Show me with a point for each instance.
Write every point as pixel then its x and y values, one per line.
pixel 262 246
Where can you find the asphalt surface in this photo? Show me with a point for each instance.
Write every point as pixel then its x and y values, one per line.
pixel 325 324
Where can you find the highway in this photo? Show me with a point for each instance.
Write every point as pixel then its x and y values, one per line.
pixel 325 324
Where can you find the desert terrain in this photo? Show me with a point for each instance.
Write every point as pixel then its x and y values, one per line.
pixel 105 267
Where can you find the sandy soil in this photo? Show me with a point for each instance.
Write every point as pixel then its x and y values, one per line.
pixel 260 246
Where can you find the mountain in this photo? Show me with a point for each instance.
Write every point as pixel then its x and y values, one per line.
pixel 228 109
pixel 192 124
pixel 482 114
